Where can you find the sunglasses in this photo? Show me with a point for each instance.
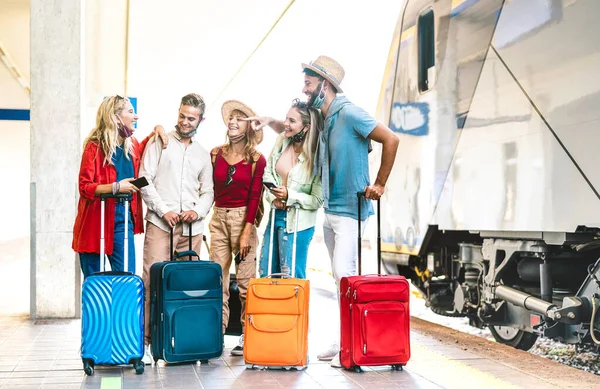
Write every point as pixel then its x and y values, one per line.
pixel 230 173
pixel 299 103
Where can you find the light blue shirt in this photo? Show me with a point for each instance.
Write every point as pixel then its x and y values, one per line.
pixel 348 127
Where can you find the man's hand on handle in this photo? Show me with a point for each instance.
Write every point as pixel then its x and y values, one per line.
pixel 374 192
pixel 172 218
pixel 188 216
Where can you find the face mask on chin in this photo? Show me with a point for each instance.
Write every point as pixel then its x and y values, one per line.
pixel 236 138
pixel 188 135
pixel 319 99
pixel 299 137
pixel 191 133
pixel 124 131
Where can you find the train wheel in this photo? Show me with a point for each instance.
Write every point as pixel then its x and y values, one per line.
pixel 513 337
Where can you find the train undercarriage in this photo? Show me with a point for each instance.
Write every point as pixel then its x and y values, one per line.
pixel 521 286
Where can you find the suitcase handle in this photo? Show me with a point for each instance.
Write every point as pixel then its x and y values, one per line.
pixel 173 254
pixel 113 273
pixel 188 253
pixel 359 195
pixel 292 274
pixel 152 304
pixel 282 275
pixel 121 198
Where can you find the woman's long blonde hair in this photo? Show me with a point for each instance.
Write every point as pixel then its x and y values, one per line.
pixel 252 140
pixel 105 133
pixel 309 116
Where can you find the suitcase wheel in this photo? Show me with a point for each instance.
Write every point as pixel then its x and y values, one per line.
pixel 88 367
pixel 155 359
pixel 397 367
pixel 356 369
pixel 138 365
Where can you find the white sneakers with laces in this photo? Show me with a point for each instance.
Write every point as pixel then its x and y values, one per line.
pixel 328 354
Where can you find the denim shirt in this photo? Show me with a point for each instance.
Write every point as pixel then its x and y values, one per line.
pixel 303 188
pixel 345 150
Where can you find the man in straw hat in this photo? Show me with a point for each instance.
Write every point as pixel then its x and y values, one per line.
pixel 348 131
pixel 180 192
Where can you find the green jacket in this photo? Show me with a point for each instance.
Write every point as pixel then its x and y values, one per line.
pixel 303 188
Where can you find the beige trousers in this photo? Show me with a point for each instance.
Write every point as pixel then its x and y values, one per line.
pixel 225 228
pixel 156 249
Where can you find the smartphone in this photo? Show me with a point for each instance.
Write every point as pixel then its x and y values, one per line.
pixel 140 182
pixel 238 258
pixel 269 185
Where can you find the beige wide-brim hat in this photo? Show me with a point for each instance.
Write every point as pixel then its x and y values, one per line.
pixel 234 105
pixel 329 69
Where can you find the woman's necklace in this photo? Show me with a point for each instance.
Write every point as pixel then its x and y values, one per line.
pixel 294 156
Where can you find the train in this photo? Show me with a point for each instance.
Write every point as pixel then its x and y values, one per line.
pixel 492 208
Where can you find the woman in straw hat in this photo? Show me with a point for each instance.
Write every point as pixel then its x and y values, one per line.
pixel 238 171
pixel 290 168
pixel 110 161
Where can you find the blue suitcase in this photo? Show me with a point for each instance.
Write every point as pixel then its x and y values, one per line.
pixel 186 308
pixel 112 320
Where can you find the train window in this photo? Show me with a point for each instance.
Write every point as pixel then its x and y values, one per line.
pixel 426 43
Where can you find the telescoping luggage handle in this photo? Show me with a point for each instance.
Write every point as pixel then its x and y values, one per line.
pixel 360 195
pixel 190 253
pixel 118 198
pixel 296 206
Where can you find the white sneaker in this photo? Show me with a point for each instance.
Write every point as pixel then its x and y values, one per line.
pixel 238 350
pixel 335 362
pixel 328 354
pixel 147 358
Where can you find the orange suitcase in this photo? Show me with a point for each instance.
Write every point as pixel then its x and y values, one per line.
pixel 277 317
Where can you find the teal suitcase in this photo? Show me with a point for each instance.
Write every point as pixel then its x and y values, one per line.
pixel 186 309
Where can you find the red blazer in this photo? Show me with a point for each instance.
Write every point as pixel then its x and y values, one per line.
pixel 93 172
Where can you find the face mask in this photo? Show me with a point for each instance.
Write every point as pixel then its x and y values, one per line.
pixel 299 137
pixel 186 135
pixel 319 98
pixel 191 133
pixel 124 131
pixel 236 138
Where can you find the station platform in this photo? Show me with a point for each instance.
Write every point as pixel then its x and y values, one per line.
pixel 45 354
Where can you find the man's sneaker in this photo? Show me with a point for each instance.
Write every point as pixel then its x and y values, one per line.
pixel 328 354
pixel 147 358
pixel 335 362
pixel 238 350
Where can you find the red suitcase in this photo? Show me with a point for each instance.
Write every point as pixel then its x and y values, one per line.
pixel 374 314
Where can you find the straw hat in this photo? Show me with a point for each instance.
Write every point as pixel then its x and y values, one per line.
pixel 234 105
pixel 329 69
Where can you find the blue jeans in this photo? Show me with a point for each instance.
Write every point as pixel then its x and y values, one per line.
pixel 90 262
pixel 282 248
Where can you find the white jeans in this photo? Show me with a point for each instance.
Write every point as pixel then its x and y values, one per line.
pixel 340 234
